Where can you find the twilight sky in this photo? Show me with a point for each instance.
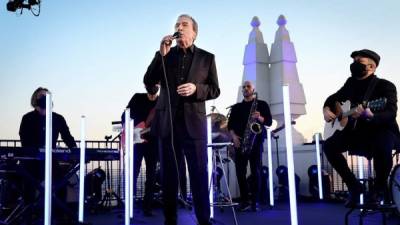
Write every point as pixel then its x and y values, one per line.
pixel 93 54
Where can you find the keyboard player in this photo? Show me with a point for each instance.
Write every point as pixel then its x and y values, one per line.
pixel 32 133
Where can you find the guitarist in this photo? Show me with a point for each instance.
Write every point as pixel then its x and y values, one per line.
pixel 373 134
pixel 141 105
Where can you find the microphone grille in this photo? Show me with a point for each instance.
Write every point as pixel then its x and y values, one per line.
pixel 176 35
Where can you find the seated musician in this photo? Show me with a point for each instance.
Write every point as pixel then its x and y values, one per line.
pixel 32 133
pixel 141 106
pixel 369 133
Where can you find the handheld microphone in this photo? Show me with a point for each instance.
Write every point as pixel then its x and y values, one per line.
pixel 176 35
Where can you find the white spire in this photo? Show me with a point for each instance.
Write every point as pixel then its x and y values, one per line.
pixel 283 70
pixel 255 62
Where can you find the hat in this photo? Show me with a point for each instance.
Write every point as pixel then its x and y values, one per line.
pixel 367 53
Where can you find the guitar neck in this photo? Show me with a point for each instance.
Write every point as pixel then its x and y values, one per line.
pixel 348 113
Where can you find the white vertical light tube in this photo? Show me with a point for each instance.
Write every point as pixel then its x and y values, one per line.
pixel 131 161
pixel 48 160
pixel 270 175
pixel 126 165
pixel 82 168
pixel 289 153
pixel 360 163
pixel 321 196
pixel 210 167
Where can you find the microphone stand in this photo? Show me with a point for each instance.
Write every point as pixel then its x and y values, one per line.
pixel 276 137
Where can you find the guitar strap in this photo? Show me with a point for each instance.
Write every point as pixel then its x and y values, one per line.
pixel 367 94
pixel 369 90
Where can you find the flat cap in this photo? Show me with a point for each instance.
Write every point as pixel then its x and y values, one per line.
pixel 367 53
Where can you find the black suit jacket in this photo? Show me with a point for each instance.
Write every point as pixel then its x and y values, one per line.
pixel 202 73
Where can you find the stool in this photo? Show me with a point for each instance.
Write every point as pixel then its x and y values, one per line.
pixel 227 201
pixel 367 209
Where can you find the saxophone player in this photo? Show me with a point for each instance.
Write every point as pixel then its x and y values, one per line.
pixel 246 125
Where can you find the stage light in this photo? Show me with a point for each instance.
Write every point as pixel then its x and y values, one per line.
pixel 283 182
pixel 32 5
pixel 313 186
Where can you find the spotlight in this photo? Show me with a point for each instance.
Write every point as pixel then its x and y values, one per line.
pixel 32 5
pixel 283 182
pixel 313 182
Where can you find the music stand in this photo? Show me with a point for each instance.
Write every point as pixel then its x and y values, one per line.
pixel 224 201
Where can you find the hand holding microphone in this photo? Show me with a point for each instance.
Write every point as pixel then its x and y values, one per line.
pixel 166 43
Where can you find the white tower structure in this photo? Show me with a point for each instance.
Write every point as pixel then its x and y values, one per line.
pixel 255 62
pixel 283 70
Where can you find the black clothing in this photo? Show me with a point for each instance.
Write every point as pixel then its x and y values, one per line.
pixel 32 134
pixel 202 73
pixel 237 122
pixel 374 138
pixel 240 114
pixel 141 106
pixel 189 124
pixel 32 130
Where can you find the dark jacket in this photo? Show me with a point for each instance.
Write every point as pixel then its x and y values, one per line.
pixel 202 73
pixel 385 119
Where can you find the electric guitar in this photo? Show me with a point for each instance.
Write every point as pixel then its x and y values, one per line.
pixel 140 130
pixel 344 110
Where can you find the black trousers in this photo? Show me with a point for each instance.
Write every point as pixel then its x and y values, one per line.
pixel 241 162
pixel 378 146
pixel 148 151
pixel 195 151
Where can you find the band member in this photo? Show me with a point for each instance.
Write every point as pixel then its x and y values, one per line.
pixel 32 133
pixel 32 129
pixel 242 115
pixel 189 79
pixel 141 104
pixel 368 133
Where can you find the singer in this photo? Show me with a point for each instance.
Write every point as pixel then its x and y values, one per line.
pixel 188 79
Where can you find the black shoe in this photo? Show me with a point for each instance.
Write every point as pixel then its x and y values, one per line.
pixel 354 196
pixel 244 207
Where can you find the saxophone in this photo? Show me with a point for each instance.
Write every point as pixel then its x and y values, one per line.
pixel 253 128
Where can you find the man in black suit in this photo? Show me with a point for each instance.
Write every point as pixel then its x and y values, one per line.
pixel 367 133
pixel 189 79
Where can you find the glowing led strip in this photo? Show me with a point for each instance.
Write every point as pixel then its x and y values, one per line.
pixel 319 166
pixel 82 170
pixel 209 167
pixel 48 161
pixel 131 161
pixel 289 153
pixel 126 166
pixel 270 175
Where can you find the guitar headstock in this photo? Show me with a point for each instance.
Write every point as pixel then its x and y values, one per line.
pixel 377 104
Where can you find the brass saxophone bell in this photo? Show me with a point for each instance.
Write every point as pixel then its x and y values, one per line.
pixel 255 128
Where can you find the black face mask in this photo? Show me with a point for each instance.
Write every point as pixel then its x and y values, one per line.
pixel 152 90
pixel 41 102
pixel 358 69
